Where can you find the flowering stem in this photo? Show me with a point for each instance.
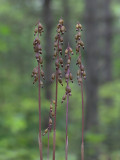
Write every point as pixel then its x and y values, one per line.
pixel 40 140
pixel 82 145
pixel 48 145
pixel 66 148
pixel 56 94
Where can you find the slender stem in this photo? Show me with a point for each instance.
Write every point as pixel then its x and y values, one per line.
pixel 66 148
pixel 48 145
pixel 54 136
pixel 82 145
pixel 56 94
pixel 40 139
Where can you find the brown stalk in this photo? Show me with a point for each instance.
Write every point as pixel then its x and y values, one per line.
pixel 80 76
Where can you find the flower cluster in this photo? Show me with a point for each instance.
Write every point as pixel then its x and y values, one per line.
pixel 68 74
pixel 35 75
pixel 36 43
pixel 58 49
pixel 38 52
pixel 51 115
pixel 81 72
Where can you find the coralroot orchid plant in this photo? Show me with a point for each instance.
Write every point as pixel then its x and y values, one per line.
pixel 38 73
pixel 68 76
pixel 81 74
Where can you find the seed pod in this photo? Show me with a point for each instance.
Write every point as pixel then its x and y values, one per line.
pixel 53 76
pixel 52 114
pixel 55 54
pixel 78 73
pixel 46 130
pixel 81 43
pixel 57 63
pixel 66 67
pixel 82 68
pixel 60 49
pixel 64 97
pixel 77 26
pixel 41 60
pixel 61 39
pixel 41 83
pixel 51 107
pixel 80 26
pixel 66 76
pixel 77 49
pixel 53 101
pixel 35 31
pixel 68 61
pixel 35 70
pixel 63 29
pixel 68 89
pixel 71 77
pixel 59 72
pixel 66 51
pixel 78 35
pixel 60 81
pixel 55 44
pixel 70 49
pixel 80 80
pixel 61 61
pixel 58 30
pixel 61 21
pixel 79 61
pixel 84 73
pixel 50 121
pixel 42 73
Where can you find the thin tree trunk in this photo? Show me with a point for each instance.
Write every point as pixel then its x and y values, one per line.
pixel 92 60
pixel 66 17
pixel 47 16
pixel 108 41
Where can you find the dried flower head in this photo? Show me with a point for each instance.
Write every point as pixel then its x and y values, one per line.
pixel 51 116
pixel 68 74
pixel 58 51
pixel 38 73
pixel 81 74
pixel 79 43
pixel 38 52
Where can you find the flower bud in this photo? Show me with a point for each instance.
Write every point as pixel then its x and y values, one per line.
pixel 46 130
pixel 68 61
pixel 53 76
pixel 51 107
pixel 61 21
pixel 50 121
pixel 52 114
pixel 53 101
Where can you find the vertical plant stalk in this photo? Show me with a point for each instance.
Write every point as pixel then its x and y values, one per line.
pixel 48 144
pixel 37 71
pixel 48 129
pixel 66 148
pixel 58 74
pixel 82 145
pixel 81 74
pixel 68 76
pixel 39 97
pixel 56 95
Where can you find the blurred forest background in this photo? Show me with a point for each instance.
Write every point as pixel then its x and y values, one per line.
pixel 19 99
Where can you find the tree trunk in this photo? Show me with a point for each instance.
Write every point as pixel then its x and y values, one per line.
pixel 98 60
pixel 47 16
pixel 66 17
pixel 108 41
pixel 93 51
